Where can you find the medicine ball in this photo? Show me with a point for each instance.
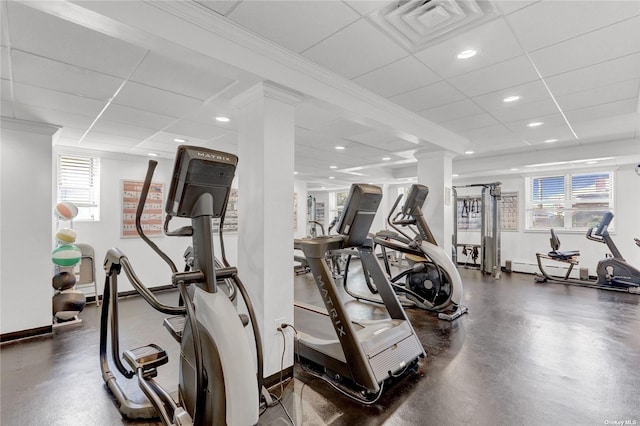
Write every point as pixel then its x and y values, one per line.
pixel 63 281
pixel 67 304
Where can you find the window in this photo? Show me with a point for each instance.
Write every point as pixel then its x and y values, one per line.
pixel 569 201
pixel 79 183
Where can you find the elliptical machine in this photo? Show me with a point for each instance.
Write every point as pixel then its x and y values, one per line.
pixel 218 383
pixel 432 281
pixel 613 273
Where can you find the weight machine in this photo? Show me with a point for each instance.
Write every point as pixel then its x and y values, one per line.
pixel 486 207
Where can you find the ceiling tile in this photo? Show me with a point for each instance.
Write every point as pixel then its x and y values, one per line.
pixel 509 6
pixel 601 95
pixel 4 62
pixel 45 35
pixel 493 41
pixel 398 77
pixel 192 129
pixel 196 81
pixel 355 50
pixel 150 99
pixel 437 94
pixel 94 138
pixel 365 7
pixel 490 133
pixel 168 137
pixel 46 73
pixel 523 111
pixel 549 22
pixel 51 116
pixel 624 106
pixel 6 109
pixel 512 72
pixel 111 127
pixel 136 117
pixel 472 122
pixel 609 128
pixel 220 6
pixel 156 146
pixel 602 74
pixel 296 25
pixel 463 108
pixel 528 92
pixel 598 46
pixel 44 98
pixel 5 90
pixel 208 111
pixel 548 120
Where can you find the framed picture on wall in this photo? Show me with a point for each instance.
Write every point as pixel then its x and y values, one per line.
pixel 151 220
pixel 231 216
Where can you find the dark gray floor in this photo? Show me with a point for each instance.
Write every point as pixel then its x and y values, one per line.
pixel 526 353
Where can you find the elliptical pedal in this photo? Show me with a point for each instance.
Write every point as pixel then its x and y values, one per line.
pixel 175 325
pixel 147 358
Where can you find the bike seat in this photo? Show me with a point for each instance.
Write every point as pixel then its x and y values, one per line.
pixel 564 255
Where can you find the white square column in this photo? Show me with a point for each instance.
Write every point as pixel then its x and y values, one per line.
pixel 266 132
pixel 26 225
pixel 434 171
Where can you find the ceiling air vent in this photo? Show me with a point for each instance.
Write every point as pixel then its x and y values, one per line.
pixel 416 24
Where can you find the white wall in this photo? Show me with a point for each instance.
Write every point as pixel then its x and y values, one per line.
pixel 521 246
pixel 26 218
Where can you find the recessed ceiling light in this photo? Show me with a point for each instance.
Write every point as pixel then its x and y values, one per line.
pixel 339 148
pixel 455 175
pixel 535 124
pixel 152 154
pixel 513 169
pixel 592 162
pixel 468 152
pixel 331 177
pixel 550 140
pixel 386 158
pixel 323 187
pixel 179 140
pixel 466 54
pixel 333 167
pixel 295 173
pixel 511 98
pixel 223 119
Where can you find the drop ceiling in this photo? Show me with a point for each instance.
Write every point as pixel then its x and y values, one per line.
pixel 380 78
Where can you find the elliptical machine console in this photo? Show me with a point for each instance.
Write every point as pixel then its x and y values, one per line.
pixel 432 281
pixel 218 382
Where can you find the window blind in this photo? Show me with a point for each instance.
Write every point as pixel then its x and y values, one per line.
pixel 78 180
pixel 570 201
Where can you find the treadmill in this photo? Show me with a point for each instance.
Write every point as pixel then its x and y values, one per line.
pixel 355 355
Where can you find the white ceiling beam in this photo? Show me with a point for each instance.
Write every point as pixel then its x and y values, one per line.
pixel 197 28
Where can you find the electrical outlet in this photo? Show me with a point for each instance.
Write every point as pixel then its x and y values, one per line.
pixel 276 324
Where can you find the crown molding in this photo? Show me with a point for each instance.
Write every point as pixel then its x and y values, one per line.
pixel 29 126
pixel 266 90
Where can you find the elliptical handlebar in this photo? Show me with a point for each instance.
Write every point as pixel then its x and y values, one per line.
pixel 141 202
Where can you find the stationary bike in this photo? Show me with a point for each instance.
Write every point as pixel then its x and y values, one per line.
pixel 432 281
pixel 613 273
pixel 218 381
